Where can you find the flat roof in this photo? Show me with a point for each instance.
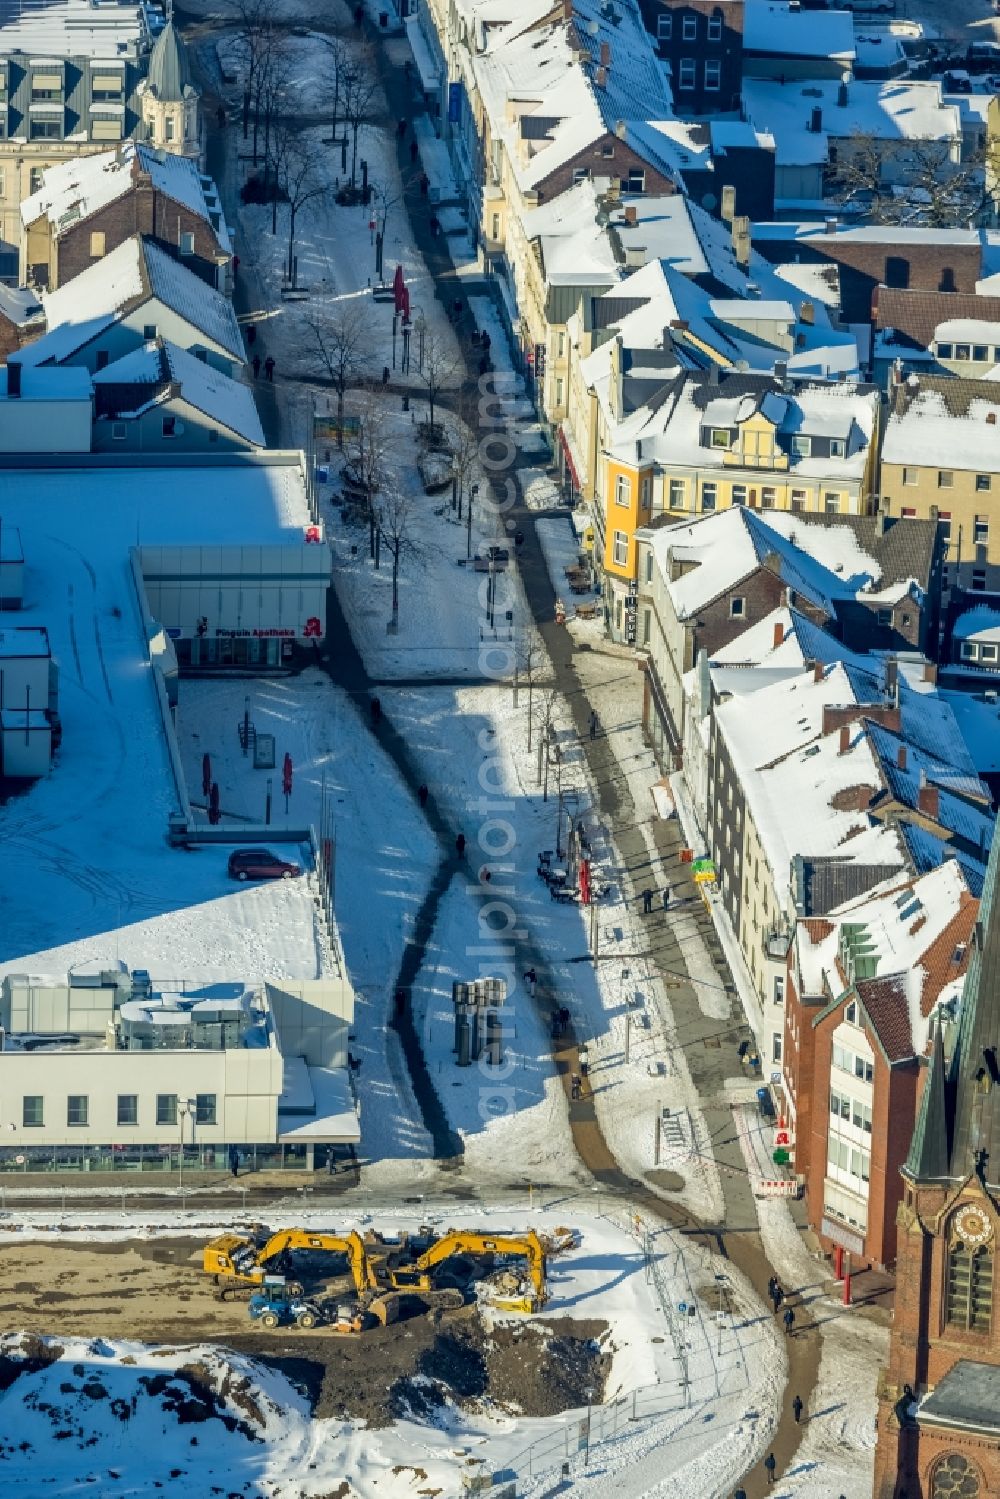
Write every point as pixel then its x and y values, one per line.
pixel 24 640
pixel 967 1397
pixel 89 874
pixel 335 1120
pixel 61 382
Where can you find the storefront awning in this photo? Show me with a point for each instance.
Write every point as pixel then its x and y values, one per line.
pixel 565 444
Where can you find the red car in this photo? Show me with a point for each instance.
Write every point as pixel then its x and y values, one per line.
pixel 260 864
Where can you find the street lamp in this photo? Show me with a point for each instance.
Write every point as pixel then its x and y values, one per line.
pixel 468 524
pixel 185 1106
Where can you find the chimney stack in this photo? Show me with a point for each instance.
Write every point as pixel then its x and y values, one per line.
pixel 901 757
pixel 13 379
pixel 602 77
pixel 741 239
pixel 842 96
pixel 779 636
pixel 605 54
pixel 630 213
pixel 816 120
pixel 831 226
pixel 728 209
pixel 807 313
pixel 817 671
pixel 845 738
pixel 930 671
pixel 927 801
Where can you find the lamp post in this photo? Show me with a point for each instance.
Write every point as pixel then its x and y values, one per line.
pixel 185 1106
pixel 468 522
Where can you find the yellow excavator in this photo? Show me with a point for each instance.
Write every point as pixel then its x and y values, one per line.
pixel 240 1264
pixel 476 1245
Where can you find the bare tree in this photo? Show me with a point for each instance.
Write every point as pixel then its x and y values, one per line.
pixel 360 88
pixel 464 443
pixel 546 705
pixel 340 340
pixel 298 178
pixel 440 366
pixel 257 37
pixel 394 523
pixel 528 662
pixel 340 66
pixel 371 453
pixel 907 182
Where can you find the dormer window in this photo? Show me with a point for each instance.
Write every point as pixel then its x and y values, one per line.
pixel 838 447
pixel 801 446
pixel 720 437
pixel 851 1013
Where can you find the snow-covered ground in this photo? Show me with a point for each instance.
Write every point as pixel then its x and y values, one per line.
pixel 837 1453
pixel 702 1383
pixel 87 873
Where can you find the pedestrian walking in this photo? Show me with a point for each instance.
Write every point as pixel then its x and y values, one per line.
pixel 422 795
pixel 269 366
pixel 530 978
pixel 251 333
pixel 772 1283
pixel 789 1321
pixel 576 1088
pixel 797 1408
pixel 376 710
pixel 414 149
pixel 584 1062
pixel 256 366
pixel 593 724
pixel 425 183
pixel 666 897
pixel 234 1161
pixel 460 845
pixel 770 1463
pixel 647 902
pixel 779 1292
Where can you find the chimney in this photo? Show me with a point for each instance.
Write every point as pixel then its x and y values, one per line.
pixel 892 681
pixel 842 96
pixel 845 738
pixel 927 801
pixel 605 54
pixel 816 120
pixel 807 313
pixel 630 213
pixel 779 636
pixel 601 77
pixel 567 10
pixel 901 757
pixel 13 379
pixel 728 209
pixel 831 226
pixel 817 671
pixel 930 671
pixel 991 418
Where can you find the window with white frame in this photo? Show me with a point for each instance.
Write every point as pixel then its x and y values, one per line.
pixel 720 437
pixel 708 496
pixel 801 446
pixel 737 607
pixel 623 490
pixel 664 27
pixel 778 993
pixel 620 551
pixel 713 75
pixel 677 488
pixel 739 494
pixel 715 28
pixel 838 447
pixel 685 77
pixel 646 491
pixel 689 28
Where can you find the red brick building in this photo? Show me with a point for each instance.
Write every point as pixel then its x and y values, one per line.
pixel 862 985
pixel 939 1396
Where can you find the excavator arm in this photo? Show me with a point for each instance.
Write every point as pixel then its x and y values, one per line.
pixel 239 1258
pixel 463 1241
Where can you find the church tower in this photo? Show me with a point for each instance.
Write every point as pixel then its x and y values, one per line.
pixel 939 1396
pixel 170 101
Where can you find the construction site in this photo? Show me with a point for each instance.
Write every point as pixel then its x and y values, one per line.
pixel 481 1330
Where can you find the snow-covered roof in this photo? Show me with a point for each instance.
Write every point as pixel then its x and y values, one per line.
pixel 937 421
pixel 777 29
pixel 20 305
pixel 821 562
pixel 135 272
pixel 968 330
pixel 228 402
pixel 981 623
pixel 887 110
pixel 73 190
pixel 75 28
pixel 51 383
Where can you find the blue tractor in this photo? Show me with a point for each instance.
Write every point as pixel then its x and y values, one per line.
pixel 281 1305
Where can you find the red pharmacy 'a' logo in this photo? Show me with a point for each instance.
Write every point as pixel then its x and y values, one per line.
pixel 312 627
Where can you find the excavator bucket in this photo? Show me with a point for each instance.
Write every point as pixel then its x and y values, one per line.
pixel 385 1309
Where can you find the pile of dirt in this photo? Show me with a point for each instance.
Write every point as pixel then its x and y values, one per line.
pixel 414 1368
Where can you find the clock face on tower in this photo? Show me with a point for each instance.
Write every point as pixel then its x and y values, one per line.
pixel 973 1227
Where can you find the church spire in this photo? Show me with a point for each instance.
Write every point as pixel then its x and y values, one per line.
pixel 930 1152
